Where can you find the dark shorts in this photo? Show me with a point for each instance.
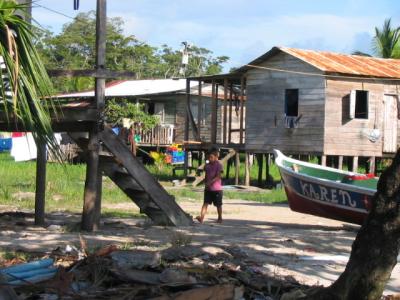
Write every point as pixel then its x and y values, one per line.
pixel 213 197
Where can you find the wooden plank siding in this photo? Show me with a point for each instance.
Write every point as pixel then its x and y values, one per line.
pixel 265 111
pixel 345 136
pixel 205 128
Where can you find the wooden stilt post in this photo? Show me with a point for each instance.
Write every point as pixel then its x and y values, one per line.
pixel 225 119
pixel 228 168
pixel 267 169
pixel 371 168
pixel 199 111
pixel 340 162
pixel 323 160
pixel 241 130
pixel 247 170
pixel 97 206
pixel 230 114
pixel 40 196
pixel 92 169
pixel 355 164
pixel 214 112
pixel 260 168
pixel 237 167
pixel 186 134
pixel 91 184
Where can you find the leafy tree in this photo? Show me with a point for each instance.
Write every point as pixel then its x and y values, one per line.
pixel 386 41
pixel 201 62
pixel 74 48
pixel 116 111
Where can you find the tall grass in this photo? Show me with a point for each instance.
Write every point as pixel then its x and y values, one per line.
pixel 65 187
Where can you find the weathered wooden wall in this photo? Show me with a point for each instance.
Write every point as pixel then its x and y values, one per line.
pixel 205 129
pixel 345 136
pixel 265 112
pixel 169 102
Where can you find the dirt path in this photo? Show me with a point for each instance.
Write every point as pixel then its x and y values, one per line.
pixel 312 250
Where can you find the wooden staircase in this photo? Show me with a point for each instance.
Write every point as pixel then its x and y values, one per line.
pixel 129 174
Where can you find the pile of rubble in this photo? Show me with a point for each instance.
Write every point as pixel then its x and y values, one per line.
pixel 185 272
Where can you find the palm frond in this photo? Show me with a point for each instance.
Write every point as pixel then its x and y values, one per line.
pixel 23 77
pixel 385 43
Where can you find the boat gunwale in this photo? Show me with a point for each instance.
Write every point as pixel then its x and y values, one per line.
pixel 279 157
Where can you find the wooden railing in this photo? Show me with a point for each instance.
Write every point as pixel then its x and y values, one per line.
pixel 160 135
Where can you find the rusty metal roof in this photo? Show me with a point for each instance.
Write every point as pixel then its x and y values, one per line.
pixel 335 63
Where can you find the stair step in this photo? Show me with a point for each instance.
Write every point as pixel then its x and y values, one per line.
pixel 137 182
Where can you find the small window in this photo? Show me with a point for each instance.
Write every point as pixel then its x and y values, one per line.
pixel 359 104
pixel 292 102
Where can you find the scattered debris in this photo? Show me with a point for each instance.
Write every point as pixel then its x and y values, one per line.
pixel 188 272
pixel 137 259
pixel 29 273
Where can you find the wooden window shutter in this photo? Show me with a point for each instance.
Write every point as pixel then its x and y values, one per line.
pixel 352 104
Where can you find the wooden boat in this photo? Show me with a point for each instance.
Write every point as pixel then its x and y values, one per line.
pixel 326 192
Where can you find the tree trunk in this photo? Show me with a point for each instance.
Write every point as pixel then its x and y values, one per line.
pixel 376 247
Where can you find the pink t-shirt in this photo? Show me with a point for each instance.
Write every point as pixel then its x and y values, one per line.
pixel 212 170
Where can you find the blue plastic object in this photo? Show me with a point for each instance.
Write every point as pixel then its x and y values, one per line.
pixel 38 264
pixel 5 144
pixel 11 276
pixel 35 279
pixel 116 130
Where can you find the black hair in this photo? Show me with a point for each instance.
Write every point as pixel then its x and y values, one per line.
pixel 213 151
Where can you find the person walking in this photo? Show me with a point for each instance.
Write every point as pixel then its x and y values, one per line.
pixel 213 186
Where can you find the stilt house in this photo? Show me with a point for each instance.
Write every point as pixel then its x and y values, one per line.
pixel 302 101
pixel 165 98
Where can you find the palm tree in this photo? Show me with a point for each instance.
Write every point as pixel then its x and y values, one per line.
pixel 25 87
pixel 386 40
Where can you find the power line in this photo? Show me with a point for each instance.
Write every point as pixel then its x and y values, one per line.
pixel 54 11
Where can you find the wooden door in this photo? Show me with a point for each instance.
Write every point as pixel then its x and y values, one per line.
pixel 390 124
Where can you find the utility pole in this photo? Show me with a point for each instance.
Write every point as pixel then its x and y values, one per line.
pixel 93 183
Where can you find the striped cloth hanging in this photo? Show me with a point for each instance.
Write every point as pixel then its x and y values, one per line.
pixel 5 82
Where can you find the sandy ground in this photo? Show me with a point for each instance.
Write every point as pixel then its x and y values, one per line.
pixel 312 250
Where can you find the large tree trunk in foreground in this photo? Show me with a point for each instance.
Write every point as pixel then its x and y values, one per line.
pixel 375 249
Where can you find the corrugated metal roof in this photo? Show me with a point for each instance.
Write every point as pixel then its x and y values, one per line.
pixel 135 88
pixel 335 63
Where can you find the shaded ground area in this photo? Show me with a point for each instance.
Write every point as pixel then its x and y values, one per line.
pixel 283 243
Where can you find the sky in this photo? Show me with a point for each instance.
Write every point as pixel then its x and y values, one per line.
pixel 240 29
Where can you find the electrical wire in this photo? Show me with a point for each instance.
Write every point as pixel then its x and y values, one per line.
pixel 53 11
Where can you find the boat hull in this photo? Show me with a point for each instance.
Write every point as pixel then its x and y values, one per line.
pixel 304 205
pixel 325 198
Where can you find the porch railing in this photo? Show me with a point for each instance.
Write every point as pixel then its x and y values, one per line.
pixel 162 134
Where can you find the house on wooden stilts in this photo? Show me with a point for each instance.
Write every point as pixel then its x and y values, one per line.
pixel 335 106
pixel 322 103
pixel 165 98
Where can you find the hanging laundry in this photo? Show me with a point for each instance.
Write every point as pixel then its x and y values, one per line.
pixel 23 148
pixel 5 144
pixel 17 134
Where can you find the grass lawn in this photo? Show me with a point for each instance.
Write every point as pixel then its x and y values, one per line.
pixel 65 186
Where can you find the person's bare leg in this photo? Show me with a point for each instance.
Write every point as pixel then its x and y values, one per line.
pixel 219 210
pixel 203 213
